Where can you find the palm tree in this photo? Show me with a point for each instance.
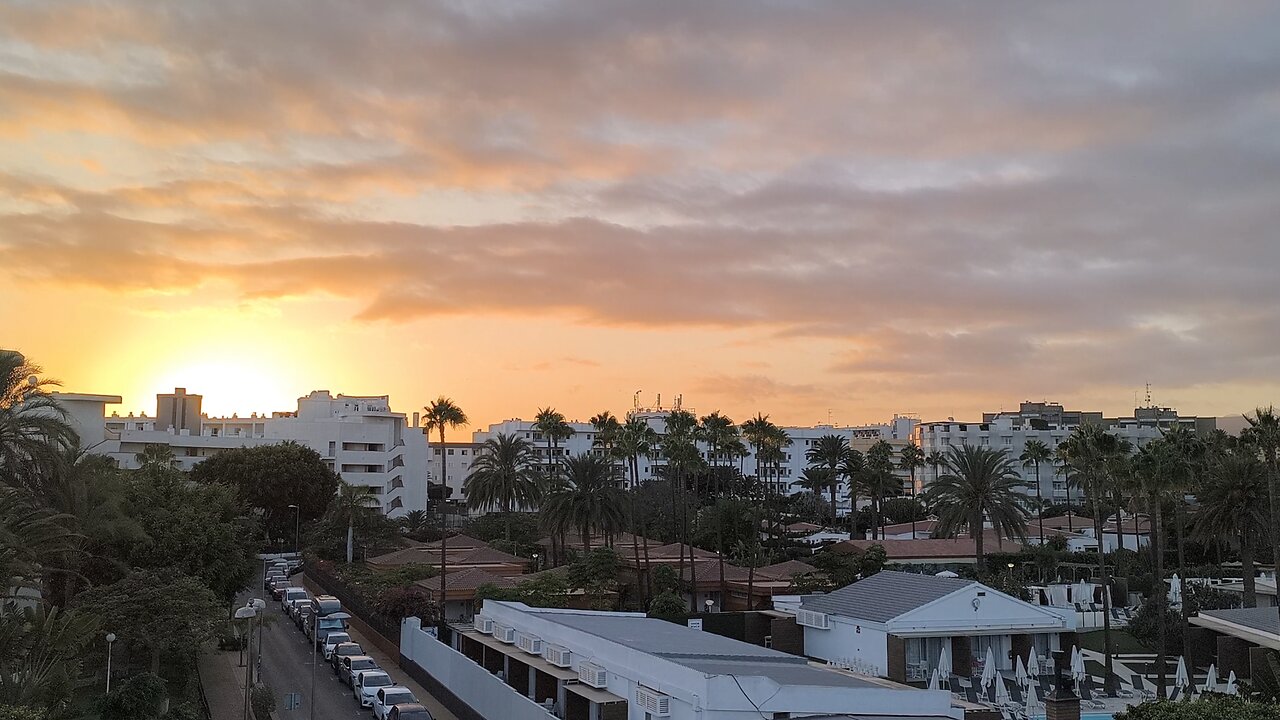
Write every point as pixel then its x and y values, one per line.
pixel 854 469
pixel 817 480
pixel 757 431
pixel 979 484
pixel 31 536
pixel 880 480
pixel 607 427
pixel 911 459
pixel 1191 450
pixel 826 454
pixel 350 505
pixel 44 652
pixel 634 439
pixel 414 520
pixel 1232 507
pixel 1264 433
pixel 1034 453
pixel 590 499
pixel 936 460
pixel 503 477
pixel 716 431
pixel 1087 458
pixel 156 455
pixel 551 423
pixel 1154 470
pixel 33 426
pixel 681 452
pixel 443 413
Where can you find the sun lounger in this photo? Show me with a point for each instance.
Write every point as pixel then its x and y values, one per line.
pixel 1087 698
pixel 1015 692
pixel 1174 695
pixel 1140 685
pixel 971 694
pixel 1121 690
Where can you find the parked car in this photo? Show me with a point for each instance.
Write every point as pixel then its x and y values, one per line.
pixel 389 696
pixel 294 606
pixel 302 616
pixel 325 605
pixel 325 626
pixel 342 650
pixel 368 682
pixel 334 639
pixel 295 569
pixel 271 577
pixel 409 711
pixel 352 664
pixel 278 586
pixel 291 594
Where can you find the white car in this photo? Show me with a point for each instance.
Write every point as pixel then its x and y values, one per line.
pixel 366 683
pixel 388 696
pixel 290 594
pixel 332 641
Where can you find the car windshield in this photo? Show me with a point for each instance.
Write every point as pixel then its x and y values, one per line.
pixel 403 696
pixel 349 650
pixel 361 665
pixel 377 681
pixel 335 638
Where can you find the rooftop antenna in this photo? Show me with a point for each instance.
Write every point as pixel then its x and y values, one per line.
pixel 828 416
pixel 659 401
pixel 1149 395
pixel 679 401
pixel 635 400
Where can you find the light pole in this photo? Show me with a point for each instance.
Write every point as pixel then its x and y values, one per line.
pixel 111 638
pixel 248 612
pixel 297 530
pixel 259 605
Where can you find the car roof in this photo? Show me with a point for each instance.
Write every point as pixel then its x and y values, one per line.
pixel 335 635
pixel 411 707
pixel 396 689
pixel 374 671
pixel 347 642
pixel 353 658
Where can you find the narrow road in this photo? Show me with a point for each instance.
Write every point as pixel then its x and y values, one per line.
pixel 286 666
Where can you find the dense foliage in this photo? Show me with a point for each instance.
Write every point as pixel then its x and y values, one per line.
pixel 1209 707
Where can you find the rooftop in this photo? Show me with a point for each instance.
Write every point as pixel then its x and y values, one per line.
pixel 885 595
pixel 936 549
pixel 702 651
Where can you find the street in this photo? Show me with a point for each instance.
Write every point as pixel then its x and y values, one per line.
pixel 286 666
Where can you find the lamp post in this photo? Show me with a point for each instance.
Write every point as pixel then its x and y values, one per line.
pixel 297 530
pixel 248 612
pixel 535 562
pixel 111 638
pixel 259 605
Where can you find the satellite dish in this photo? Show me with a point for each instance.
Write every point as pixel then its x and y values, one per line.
pixel 33 381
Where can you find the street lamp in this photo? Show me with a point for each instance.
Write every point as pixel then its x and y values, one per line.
pixel 297 529
pixel 259 605
pixel 710 603
pixel 111 638
pixel 248 612
pixel 535 562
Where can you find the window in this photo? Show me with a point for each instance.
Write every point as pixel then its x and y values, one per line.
pixel 464 452
pixel 333 448
pixel 437 451
pixel 450 451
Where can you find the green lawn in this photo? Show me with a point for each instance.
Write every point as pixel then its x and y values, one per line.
pixel 1122 642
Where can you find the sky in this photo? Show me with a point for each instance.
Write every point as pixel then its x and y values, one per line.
pixel 815 210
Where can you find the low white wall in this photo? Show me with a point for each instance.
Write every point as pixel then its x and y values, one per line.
pixel 472 684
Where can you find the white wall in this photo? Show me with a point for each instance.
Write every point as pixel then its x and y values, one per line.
pixel 848 643
pixel 471 683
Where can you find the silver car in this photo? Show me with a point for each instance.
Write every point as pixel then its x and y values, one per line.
pixel 332 641
pixel 388 696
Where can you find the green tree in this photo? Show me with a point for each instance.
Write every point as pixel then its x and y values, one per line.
pixel 554 428
pixel 443 414
pixel 1087 458
pixel 351 504
pixel 414 521
pixel 911 459
pixel 397 603
pixel 595 572
pixel 40 653
pixel 1264 433
pixel 632 440
pixel 272 478
pixel 879 481
pixel 1233 507
pixel 1034 453
pixel 165 612
pixel 680 450
pixel 669 606
pixel 607 430
pixel 503 476
pixel 34 429
pixel 138 698
pixel 1159 470
pixel 980 484
pixel 716 431
pixel 31 539
pixel 827 454
pixel 1209 707
pixel 1191 450
pixel 590 499
pixel 818 480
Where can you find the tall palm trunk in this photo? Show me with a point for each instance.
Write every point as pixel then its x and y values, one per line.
pixel 1040 503
pixel 1273 479
pixel 351 534
pixel 1105 576
pixel 975 529
pixel 835 484
pixel 1182 569
pixel 1162 598
pixel 913 497
pixel 444 529
pixel 1246 568
pixel 635 532
pixel 751 584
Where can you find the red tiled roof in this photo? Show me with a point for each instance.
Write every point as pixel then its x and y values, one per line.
pixel 785 570
pixel 468 579
pixel 913 549
pixel 708 571
pixel 459 542
pixel 673 551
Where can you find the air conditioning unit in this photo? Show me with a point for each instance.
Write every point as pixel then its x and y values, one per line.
pixel 504 634
pixel 484 625
pixel 557 655
pixel 653 702
pixel 531 644
pixel 593 675
pixel 809 618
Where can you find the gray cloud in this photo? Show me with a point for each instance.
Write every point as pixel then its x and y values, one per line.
pixel 998 194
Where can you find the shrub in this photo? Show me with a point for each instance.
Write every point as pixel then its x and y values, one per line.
pixel 669 606
pixel 1209 707
pixel 263 701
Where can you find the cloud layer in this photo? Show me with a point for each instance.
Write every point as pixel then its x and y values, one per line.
pixel 1001 198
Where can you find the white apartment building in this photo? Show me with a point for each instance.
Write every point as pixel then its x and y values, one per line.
pixel 897 433
pixel 359 437
pixel 1049 423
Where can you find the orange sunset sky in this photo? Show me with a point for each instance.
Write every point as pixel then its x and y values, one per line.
pixel 797 208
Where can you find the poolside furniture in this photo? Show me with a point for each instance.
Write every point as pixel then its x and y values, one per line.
pixel 1140 685
pixel 1121 690
pixel 971 694
pixel 1174 695
pixel 1087 698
